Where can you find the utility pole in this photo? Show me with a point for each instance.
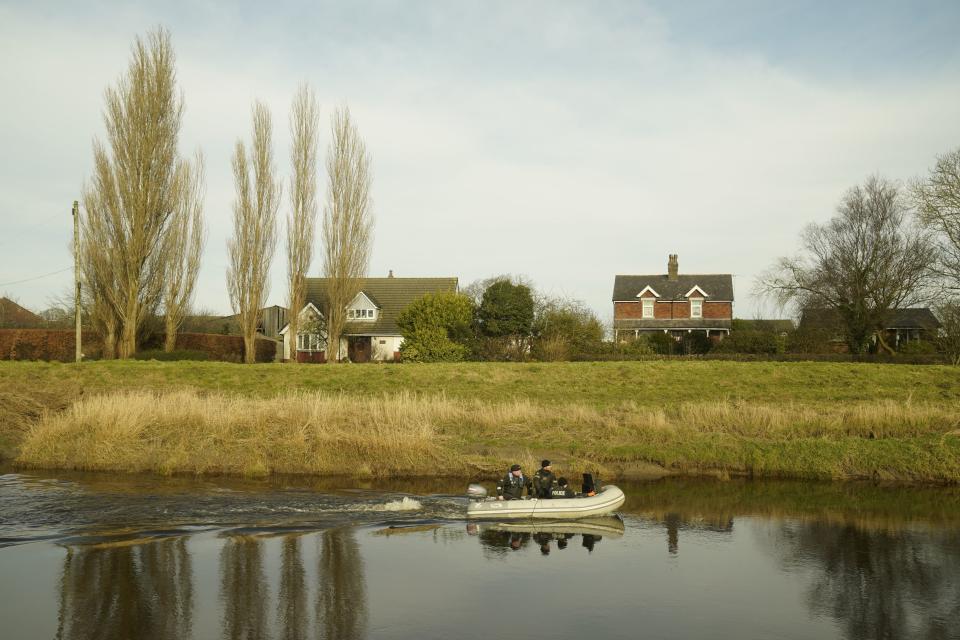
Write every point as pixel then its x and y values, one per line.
pixel 76 275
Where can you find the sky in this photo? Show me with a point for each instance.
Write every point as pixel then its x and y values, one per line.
pixel 568 142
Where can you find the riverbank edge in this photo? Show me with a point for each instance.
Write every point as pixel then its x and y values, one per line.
pixel 30 391
pixel 410 436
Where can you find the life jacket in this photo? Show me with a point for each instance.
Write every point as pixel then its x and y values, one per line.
pixel 543 483
pixel 561 492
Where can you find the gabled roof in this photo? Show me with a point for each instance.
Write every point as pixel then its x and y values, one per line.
pixel 391 295
pixel 366 295
pixel 13 315
pixel 718 285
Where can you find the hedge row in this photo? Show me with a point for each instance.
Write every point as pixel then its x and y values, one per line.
pixel 54 344
pixel 226 348
pixel 45 344
pixel 900 358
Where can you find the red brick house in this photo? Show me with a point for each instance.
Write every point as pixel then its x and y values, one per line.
pixel 672 303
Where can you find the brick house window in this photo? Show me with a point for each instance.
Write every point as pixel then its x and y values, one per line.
pixel 648 308
pixel 696 308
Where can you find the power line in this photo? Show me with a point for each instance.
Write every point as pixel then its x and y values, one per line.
pixel 46 275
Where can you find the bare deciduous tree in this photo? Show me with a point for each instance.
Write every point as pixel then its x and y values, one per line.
pixel 184 246
pixel 938 205
pixel 131 201
pixel 865 262
pixel 98 277
pixel 347 223
pixel 304 125
pixel 949 338
pixel 254 228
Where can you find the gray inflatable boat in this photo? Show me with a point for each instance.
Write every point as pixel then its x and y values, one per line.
pixel 606 501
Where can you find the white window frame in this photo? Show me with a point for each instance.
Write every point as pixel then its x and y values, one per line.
pixel 647 307
pixel 696 307
pixel 361 314
pixel 309 342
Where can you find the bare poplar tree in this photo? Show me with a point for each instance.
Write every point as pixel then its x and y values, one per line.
pixel 99 279
pixel 304 126
pixel 347 223
pixel 865 262
pixel 938 204
pixel 254 227
pixel 134 193
pixel 183 249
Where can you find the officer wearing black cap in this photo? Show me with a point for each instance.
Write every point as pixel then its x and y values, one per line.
pixel 511 485
pixel 543 481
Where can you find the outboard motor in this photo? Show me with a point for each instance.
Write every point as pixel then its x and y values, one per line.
pixel 588 488
pixel 476 492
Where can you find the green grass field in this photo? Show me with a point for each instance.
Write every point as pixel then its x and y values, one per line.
pixel 822 420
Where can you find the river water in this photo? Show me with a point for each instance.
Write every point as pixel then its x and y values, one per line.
pixel 99 556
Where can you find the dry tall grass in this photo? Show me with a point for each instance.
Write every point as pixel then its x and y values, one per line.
pixel 406 434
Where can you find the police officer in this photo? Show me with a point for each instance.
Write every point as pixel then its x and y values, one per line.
pixel 562 490
pixel 544 480
pixel 511 485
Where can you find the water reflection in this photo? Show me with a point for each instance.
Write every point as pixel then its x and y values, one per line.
pixel 126 589
pixel 499 539
pixel 244 590
pixel 876 583
pixel 292 599
pixel 342 590
pixel 675 522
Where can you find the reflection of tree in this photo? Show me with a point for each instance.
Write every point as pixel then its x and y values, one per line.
pixel 292 605
pixel 878 584
pixel 341 596
pixel 243 588
pixel 127 591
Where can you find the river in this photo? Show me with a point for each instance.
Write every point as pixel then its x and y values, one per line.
pixel 100 556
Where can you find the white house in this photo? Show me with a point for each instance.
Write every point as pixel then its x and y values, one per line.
pixel 371 331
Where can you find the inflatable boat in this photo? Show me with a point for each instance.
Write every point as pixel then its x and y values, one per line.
pixel 606 501
pixel 599 526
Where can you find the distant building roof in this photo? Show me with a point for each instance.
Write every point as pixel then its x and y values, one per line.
pixel 390 295
pixel 13 315
pixel 912 318
pixel 717 286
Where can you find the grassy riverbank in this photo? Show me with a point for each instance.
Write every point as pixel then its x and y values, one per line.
pixel 805 420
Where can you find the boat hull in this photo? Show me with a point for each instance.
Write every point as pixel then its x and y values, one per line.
pixel 609 499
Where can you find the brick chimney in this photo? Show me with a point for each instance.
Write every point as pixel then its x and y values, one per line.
pixel 390 275
pixel 672 267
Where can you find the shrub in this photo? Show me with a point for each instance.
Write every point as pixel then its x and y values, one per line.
pixel 566 329
pixel 435 327
pixel 750 341
pixel 917 347
pixel 663 343
pixel 695 343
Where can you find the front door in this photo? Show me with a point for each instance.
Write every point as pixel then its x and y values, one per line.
pixel 358 348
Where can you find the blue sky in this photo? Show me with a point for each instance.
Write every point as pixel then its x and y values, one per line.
pixel 565 141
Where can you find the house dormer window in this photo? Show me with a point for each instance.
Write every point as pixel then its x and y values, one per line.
pixel 361 314
pixel 647 307
pixel 696 307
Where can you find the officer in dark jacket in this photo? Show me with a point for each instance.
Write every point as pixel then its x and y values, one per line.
pixel 511 485
pixel 544 480
pixel 562 490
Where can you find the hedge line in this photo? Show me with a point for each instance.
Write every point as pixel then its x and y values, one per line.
pixel 55 344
